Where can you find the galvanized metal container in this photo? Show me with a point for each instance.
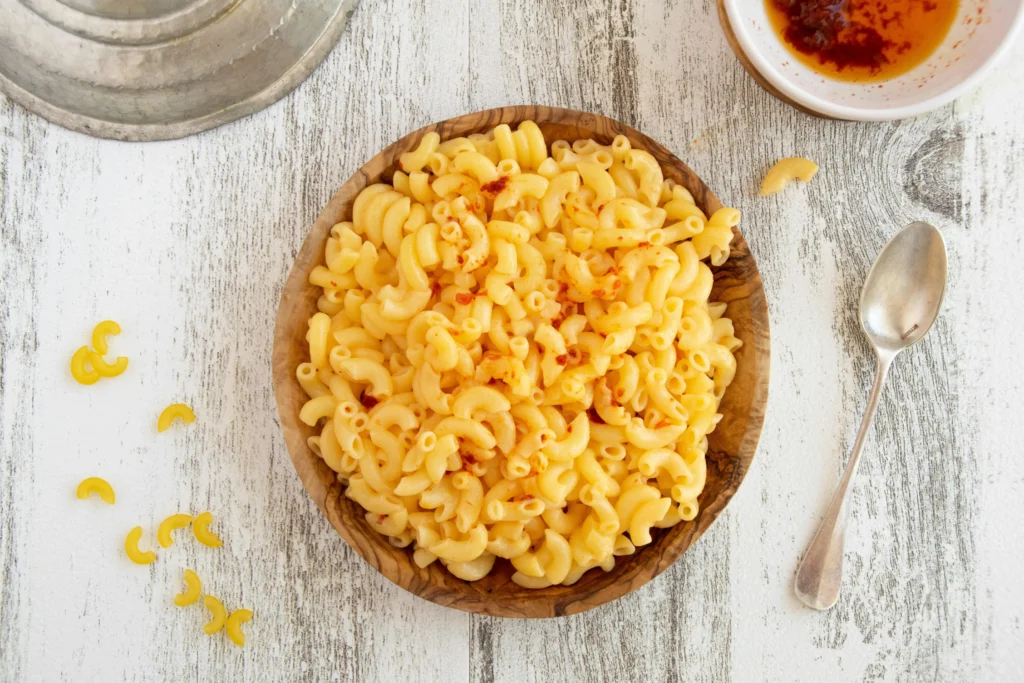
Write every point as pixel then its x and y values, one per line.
pixel 160 69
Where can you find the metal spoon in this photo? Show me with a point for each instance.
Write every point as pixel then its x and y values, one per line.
pixel 899 303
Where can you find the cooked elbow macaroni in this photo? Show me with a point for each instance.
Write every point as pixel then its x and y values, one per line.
pixel 515 355
pixel 784 171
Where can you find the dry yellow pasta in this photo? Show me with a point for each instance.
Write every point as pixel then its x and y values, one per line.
pixel 100 487
pixel 88 365
pixel 131 548
pixel 219 614
pixel 178 411
pixel 163 534
pixel 234 625
pixel 516 356
pixel 202 533
pixel 81 373
pixel 193 588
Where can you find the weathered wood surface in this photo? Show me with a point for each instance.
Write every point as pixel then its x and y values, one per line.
pixel 187 244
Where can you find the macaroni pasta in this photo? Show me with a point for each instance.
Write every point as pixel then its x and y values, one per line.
pixel 515 355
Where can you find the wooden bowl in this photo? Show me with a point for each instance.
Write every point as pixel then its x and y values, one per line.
pixel 731 446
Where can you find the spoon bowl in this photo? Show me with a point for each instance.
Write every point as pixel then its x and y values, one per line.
pixel 904 288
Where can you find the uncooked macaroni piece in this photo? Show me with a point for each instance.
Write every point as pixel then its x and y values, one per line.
pixel 100 487
pixel 515 355
pixel 163 534
pixel 220 614
pixel 88 365
pixel 177 410
pixel 202 533
pixel 131 548
pixel 234 625
pixel 784 171
pixel 193 588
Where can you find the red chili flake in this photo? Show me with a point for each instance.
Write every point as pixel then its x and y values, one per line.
pixel 435 287
pixel 333 283
pixel 368 401
pixel 464 298
pixel 563 359
pixel 644 244
pixel 381 518
pixel 495 186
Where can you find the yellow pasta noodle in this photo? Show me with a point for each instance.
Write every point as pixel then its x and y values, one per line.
pixel 193 588
pixel 100 487
pixel 218 614
pixel 234 625
pixel 163 534
pixel 525 363
pixel 88 365
pixel 81 373
pixel 131 548
pixel 200 528
pixel 178 411
pixel 785 170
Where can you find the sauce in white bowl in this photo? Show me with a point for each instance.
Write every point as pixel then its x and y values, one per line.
pixel 980 33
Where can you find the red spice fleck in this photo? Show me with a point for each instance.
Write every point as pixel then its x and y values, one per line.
pixel 333 283
pixel 435 288
pixel 468 459
pixel 368 401
pixel 598 293
pixel 644 244
pixel 563 359
pixel 575 356
pixel 495 186
pixel 464 298
pixel 381 518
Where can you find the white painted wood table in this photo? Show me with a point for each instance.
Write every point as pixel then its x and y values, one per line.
pixel 187 244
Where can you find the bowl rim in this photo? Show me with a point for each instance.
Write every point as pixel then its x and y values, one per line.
pixel 741 281
pixel 768 70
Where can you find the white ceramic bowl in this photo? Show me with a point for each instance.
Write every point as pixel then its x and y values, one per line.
pixel 980 35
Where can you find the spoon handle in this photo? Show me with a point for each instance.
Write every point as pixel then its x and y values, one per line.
pixel 820 575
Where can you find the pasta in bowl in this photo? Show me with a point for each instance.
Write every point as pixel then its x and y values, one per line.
pixel 521 361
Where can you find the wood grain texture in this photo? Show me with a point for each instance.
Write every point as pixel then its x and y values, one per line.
pixel 731 445
pixel 188 243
